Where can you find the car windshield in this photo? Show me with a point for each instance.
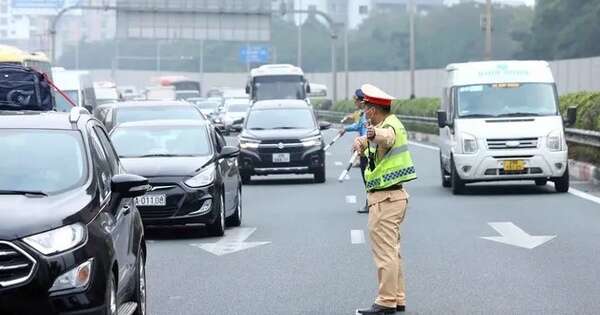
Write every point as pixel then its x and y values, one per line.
pixel 281 119
pixel 132 114
pixel 164 141
pixel 211 106
pixel 62 105
pixel 506 100
pixel 184 95
pixel 279 87
pixel 47 161
pixel 106 95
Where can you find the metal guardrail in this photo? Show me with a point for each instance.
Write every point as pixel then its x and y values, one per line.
pixel 579 136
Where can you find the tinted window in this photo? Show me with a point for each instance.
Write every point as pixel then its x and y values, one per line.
pixel 111 155
pixel 41 160
pixel 506 99
pixel 279 87
pixel 101 166
pixel 167 140
pixel 281 119
pixel 156 113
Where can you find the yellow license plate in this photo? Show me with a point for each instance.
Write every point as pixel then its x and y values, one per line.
pixel 514 165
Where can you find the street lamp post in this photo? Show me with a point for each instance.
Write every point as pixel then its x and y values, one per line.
pixel 411 14
pixel 488 30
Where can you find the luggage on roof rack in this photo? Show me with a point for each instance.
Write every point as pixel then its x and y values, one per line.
pixel 22 88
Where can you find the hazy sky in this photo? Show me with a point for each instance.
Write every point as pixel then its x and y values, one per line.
pixel 527 2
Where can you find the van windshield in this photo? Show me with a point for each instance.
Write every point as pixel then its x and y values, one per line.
pixel 506 100
pixel 279 87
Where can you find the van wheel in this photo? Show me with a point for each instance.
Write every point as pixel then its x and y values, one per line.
pixel 458 185
pixel 446 178
pixel 562 184
pixel 245 179
pixel 320 175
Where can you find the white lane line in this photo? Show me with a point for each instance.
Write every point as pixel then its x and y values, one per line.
pixel 357 236
pixel 572 191
pixel 351 199
pixel 338 163
pixel 426 146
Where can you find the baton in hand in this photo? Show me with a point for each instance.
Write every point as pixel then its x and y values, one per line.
pixel 339 135
pixel 345 172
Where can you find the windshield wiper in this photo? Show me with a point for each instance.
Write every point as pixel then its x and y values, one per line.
pixel 153 155
pixel 286 127
pixel 257 128
pixel 23 192
pixel 476 116
pixel 518 115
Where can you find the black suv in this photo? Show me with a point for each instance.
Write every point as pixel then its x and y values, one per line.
pixel 282 137
pixel 71 238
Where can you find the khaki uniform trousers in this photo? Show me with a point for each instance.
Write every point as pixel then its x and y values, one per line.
pixel 386 212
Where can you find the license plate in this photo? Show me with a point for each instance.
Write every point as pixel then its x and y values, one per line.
pixel 151 201
pixel 514 165
pixel 281 158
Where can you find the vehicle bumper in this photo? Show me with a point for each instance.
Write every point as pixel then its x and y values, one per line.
pixel 489 166
pixel 183 204
pixel 33 296
pixel 257 162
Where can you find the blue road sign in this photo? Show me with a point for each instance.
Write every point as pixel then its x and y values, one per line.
pixel 254 54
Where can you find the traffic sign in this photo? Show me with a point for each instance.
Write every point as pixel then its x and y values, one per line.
pixel 254 54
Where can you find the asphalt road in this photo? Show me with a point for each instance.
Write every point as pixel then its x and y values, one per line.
pixel 314 263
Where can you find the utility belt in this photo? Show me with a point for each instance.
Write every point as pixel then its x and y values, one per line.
pixel 394 187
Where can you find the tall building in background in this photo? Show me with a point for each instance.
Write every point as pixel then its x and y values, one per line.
pixel 13 27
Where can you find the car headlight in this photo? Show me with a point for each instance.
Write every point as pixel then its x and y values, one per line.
pixel 58 240
pixel 555 141
pixel 469 144
pixel 249 143
pixel 311 141
pixel 78 277
pixel 204 178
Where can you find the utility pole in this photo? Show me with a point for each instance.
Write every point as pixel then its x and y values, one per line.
pixel 346 74
pixel 201 64
pixel 411 14
pixel 488 30
pixel 299 54
pixel 158 56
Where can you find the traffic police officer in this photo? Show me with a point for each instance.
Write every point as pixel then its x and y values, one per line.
pixel 390 165
pixel 359 126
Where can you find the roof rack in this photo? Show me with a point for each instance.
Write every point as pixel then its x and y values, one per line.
pixel 76 113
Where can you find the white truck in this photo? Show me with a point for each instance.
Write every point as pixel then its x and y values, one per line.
pixel 500 121
pixel 277 81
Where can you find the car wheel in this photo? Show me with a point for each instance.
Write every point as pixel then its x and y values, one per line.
pixel 458 185
pixel 446 178
pixel 320 175
pixel 140 294
pixel 246 179
pixel 111 296
pixel 541 182
pixel 562 183
pixel 236 218
pixel 217 228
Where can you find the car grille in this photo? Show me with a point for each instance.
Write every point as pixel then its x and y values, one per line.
pixel 526 171
pixel 517 143
pixel 16 266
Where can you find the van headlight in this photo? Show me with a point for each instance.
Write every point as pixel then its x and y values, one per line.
pixel 469 143
pixel 249 143
pixel 204 178
pixel 58 240
pixel 555 141
pixel 311 141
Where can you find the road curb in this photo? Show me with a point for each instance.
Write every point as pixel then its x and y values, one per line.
pixel 579 171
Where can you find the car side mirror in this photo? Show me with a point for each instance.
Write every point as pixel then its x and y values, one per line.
pixel 229 152
pixel 307 88
pixel 571 115
pixel 238 121
pixel 442 119
pixel 324 125
pixel 129 185
pixel 247 89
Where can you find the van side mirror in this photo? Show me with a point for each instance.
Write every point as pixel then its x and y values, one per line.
pixel 307 87
pixel 571 115
pixel 247 89
pixel 324 125
pixel 442 119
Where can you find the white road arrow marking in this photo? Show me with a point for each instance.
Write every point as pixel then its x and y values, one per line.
pixel 351 199
pixel 513 235
pixel 338 163
pixel 233 241
pixel 357 236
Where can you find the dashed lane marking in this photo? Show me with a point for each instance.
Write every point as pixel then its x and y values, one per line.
pixel 351 199
pixel 357 236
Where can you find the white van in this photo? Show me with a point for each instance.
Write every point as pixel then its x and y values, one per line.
pixel 500 121
pixel 77 85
